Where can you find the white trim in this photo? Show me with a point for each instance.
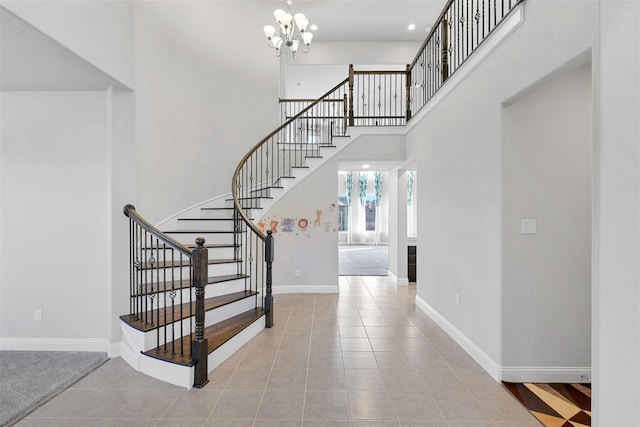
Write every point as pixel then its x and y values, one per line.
pixel 114 349
pixel 499 373
pixel 197 205
pixel 397 281
pixel 56 344
pixel 547 374
pixel 305 289
pixel 483 359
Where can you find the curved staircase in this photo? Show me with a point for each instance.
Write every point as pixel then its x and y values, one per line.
pixel 200 282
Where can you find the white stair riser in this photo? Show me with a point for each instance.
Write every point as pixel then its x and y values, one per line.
pixel 159 254
pixel 182 273
pixel 261 193
pixel 221 213
pixel 162 296
pixel 190 238
pixel 207 224
pixel 229 287
pixel 248 204
pixel 171 373
pixel 143 341
pixel 216 213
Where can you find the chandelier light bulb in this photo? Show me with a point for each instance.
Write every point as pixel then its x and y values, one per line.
pixel 285 19
pixel 269 31
pixel 306 38
pixel 278 13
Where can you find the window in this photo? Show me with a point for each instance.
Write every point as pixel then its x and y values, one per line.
pixel 343 213
pixel 370 212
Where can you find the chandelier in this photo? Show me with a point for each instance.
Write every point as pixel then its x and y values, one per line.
pixel 292 32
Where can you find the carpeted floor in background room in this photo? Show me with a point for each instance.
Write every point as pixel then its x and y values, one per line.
pixel 361 260
pixel 30 378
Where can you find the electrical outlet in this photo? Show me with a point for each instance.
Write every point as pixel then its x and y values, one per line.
pixel 458 299
pixel 297 273
pixel 37 315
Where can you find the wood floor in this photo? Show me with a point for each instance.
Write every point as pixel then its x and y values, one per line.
pixel 555 404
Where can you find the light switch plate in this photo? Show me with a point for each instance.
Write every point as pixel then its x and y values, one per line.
pixel 529 226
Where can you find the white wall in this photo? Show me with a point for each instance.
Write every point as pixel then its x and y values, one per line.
pixel 546 277
pixel 459 164
pixel 100 31
pixel 204 97
pixel 398 255
pixel 55 225
pixel 616 316
pixel 313 250
pixel 358 53
pixel 122 190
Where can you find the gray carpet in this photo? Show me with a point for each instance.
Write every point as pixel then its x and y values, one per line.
pixel 359 260
pixel 30 378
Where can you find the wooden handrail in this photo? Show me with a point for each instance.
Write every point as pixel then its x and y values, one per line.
pixel 130 211
pixel 379 72
pixel 281 100
pixel 434 28
pixel 234 180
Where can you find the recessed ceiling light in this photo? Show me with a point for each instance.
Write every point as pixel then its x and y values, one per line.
pixel 314 27
pixel 411 27
pixel 366 166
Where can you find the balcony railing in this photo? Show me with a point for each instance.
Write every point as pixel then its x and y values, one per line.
pixel 460 29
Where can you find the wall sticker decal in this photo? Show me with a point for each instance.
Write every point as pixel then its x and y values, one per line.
pixel 288 224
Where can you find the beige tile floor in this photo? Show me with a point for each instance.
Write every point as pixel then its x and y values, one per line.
pixel 364 357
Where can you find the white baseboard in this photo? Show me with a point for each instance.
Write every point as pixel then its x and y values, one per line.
pixel 482 358
pixel 114 350
pixel 397 280
pixel 305 289
pixel 56 344
pixel 546 374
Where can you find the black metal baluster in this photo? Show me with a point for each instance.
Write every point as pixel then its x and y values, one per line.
pixel 164 293
pixel 181 304
pixel 173 305
pixel 191 314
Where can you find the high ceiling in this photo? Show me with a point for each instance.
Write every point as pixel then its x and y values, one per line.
pixel 49 64
pixel 370 20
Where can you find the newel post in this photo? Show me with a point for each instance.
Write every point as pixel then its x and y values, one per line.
pixel 408 89
pixel 199 346
pixel 268 258
pixel 351 74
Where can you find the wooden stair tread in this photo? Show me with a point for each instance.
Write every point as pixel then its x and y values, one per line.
pixel 168 315
pixel 217 335
pixel 193 245
pixel 184 263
